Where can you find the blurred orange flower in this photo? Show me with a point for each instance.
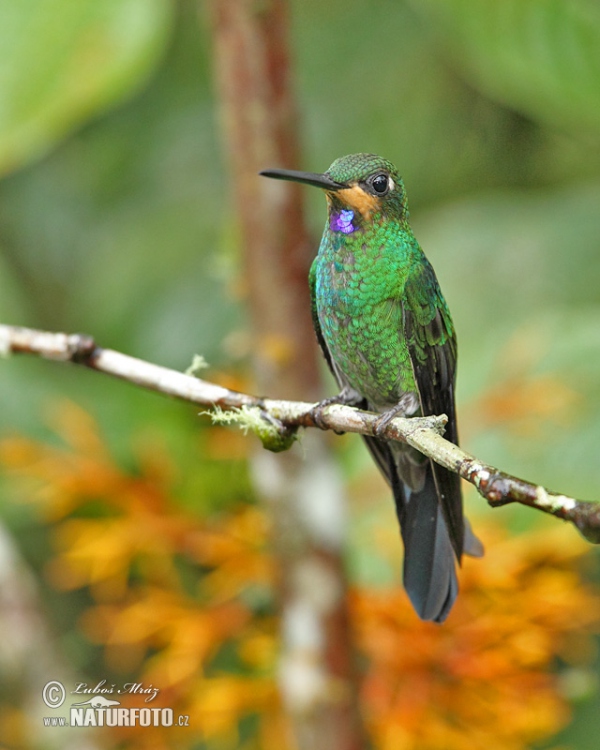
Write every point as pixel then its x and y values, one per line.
pixel 185 603
pixel 484 678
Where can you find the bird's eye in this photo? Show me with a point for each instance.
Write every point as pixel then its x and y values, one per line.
pixel 380 184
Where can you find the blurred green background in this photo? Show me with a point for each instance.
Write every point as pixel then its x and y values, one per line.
pixel 115 218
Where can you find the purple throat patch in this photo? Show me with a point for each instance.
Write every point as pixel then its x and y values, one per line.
pixel 342 222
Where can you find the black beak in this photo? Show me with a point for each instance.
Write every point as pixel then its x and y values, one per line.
pixel 308 178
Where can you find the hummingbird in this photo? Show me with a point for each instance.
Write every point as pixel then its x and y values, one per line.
pixel 387 335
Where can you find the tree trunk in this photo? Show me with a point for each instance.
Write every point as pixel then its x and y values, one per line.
pixel 302 486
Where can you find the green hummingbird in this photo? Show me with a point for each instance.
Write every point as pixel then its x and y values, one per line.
pixel 387 335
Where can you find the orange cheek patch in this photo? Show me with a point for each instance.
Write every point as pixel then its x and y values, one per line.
pixel 355 198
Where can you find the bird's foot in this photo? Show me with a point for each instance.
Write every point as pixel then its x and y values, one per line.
pixel 346 397
pixel 407 406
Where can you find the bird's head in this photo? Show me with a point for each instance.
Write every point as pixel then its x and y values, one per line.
pixel 360 188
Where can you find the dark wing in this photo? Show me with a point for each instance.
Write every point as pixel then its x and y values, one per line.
pixel 431 342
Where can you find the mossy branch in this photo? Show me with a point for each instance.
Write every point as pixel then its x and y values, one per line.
pixel 276 422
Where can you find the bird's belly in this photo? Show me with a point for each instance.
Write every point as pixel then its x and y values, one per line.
pixel 368 348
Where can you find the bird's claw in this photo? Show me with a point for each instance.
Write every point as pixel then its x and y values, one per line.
pixel 407 405
pixel 273 421
pixel 316 412
pixel 383 421
pixel 344 399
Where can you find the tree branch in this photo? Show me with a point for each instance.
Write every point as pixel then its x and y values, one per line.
pixel 423 433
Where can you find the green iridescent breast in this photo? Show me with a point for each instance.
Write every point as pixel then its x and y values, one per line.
pixel 359 282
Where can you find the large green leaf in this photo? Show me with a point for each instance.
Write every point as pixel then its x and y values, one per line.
pixel 62 61
pixel 541 57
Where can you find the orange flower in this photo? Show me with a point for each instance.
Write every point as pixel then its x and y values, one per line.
pixel 484 678
pixel 180 602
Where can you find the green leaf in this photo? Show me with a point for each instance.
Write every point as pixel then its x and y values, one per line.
pixel 64 61
pixel 541 57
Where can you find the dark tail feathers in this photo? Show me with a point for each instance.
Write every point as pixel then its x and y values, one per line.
pixel 429 560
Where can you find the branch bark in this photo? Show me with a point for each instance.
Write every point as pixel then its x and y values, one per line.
pixel 423 433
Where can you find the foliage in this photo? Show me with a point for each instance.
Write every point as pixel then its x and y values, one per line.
pixel 58 74
pixel 541 57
